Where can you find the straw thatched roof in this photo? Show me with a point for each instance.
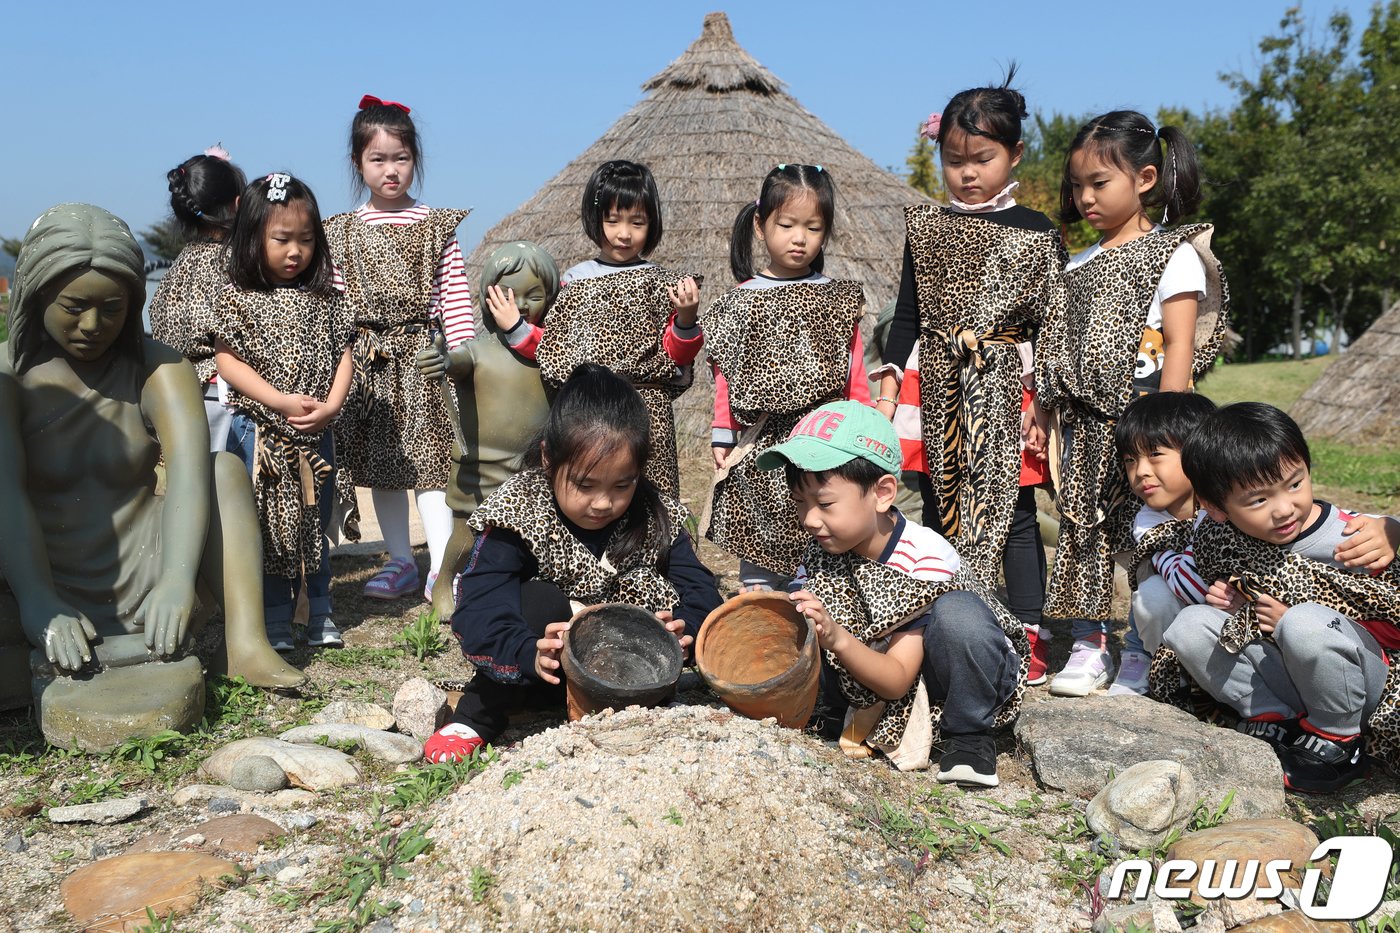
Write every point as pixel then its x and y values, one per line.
pixel 1357 398
pixel 712 124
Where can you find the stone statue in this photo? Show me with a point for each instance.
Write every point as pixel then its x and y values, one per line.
pixel 496 399
pixel 103 573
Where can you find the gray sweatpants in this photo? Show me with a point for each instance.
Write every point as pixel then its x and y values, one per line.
pixel 1154 608
pixel 1319 664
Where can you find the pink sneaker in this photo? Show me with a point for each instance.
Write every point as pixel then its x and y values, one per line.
pixel 1132 675
pixel 1090 667
pixel 395 579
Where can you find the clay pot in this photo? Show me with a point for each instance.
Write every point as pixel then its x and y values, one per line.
pixel 617 656
pixel 759 656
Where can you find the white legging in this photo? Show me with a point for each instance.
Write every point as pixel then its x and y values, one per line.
pixel 391 509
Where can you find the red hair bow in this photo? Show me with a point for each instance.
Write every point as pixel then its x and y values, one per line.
pixel 369 100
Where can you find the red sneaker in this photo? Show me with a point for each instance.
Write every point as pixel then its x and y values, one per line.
pixel 453 742
pixel 1040 658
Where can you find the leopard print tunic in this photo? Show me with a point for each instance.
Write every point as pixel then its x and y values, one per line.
pixel 784 351
pixel 618 321
pixel 525 505
pixel 1255 567
pixel 872 600
pixel 1085 367
pixel 983 287
pixel 395 433
pixel 294 340
pixel 193 281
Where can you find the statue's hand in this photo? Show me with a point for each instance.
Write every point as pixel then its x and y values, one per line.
pixel 164 615
pixel 63 632
pixel 432 360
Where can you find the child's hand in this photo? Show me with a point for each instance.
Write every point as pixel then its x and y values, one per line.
pixel 676 627
pixel 502 307
pixel 1033 435
pixel 295 405
pixel 685 301
pixel 830 635
pixel 720 454
pixel 1371 543
pixel 432 360
pixel 315 420
pixel 1269 612
pixel 1224 597
pixel 547 651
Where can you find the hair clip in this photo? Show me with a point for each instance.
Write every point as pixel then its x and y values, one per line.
pixel 931 128
pixel 277 186
pixel 217 151
pixel 199 213
pixel 818 168
pixel 369 100
pixel 782 166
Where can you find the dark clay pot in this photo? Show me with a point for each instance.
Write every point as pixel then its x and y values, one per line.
pixel 759 655
pixel 617 656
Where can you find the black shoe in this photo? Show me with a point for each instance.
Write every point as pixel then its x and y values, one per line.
pixel 1279 733
pixel 970 759
pixel 1317 765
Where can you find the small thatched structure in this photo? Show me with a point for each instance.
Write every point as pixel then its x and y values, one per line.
pixel 713 123
pixel 1357 398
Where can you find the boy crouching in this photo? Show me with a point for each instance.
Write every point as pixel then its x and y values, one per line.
pixel 918 644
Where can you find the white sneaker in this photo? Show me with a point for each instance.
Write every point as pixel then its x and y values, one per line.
pixel 1089 668
pixel 1132 675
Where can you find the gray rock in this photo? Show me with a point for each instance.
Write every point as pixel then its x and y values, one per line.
pixel 269 869
pixel 385 746
pixel 420 709
pixel 235 799
pixel 1075 743
pixel 369 715
pixel 224 805
pixel 302 821
pixel 384 925
pixel 1142 805
pixel 15 844
pixel 312 767
pixel 97 713
pixel 257 773
pixel 106 811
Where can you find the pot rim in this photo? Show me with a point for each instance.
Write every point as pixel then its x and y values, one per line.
pixel 572 666
pixel 719 683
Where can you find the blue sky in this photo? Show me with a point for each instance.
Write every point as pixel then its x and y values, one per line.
pixel 106 100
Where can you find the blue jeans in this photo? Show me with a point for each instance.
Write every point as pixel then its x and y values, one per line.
pixel 280 593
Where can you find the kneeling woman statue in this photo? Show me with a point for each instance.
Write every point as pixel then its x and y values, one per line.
pixel 99 565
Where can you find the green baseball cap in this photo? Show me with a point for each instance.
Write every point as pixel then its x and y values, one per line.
pixel 834 434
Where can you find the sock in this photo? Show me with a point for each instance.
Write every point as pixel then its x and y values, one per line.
pixel 1309 727
pixel 391 510
pixel 437 524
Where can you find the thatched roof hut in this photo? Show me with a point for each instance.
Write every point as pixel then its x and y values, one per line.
pixel 1357 398
pixel 712 124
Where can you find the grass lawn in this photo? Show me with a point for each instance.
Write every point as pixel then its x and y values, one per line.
pixel 1353 476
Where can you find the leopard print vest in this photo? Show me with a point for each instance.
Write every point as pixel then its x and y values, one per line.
pixel 525 505
pixel 872 600
pixel 983 287
pixel 784 349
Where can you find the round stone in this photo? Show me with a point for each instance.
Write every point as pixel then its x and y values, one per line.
pixel 97 712
pixel 257 773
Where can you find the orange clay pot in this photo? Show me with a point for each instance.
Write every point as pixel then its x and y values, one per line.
pixel 617 656
pixel 759 656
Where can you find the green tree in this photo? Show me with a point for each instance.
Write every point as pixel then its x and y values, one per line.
pixel 924 173
pixel 11 246
pixel 164 239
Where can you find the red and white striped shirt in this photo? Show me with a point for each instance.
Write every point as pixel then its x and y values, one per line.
pixel 1176 568
pixel 922 553
pixel 451 298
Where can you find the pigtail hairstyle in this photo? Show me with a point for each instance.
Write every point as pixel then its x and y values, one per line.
pixel 993 112
pixel 596 412
pixel 621 185
pixel 1128 139
pixel 243 250
pixel 394 120
pixel 783 182
pixel 204 193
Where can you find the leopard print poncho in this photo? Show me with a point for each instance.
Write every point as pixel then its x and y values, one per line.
pixel 395 433
pixel 983 287
pixel 1255 567
pixel 525 505
pixel 618 321
pixel 872 600
pixel 192 283
pixel 294 340
pixel 784 351
pixel 1085 366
